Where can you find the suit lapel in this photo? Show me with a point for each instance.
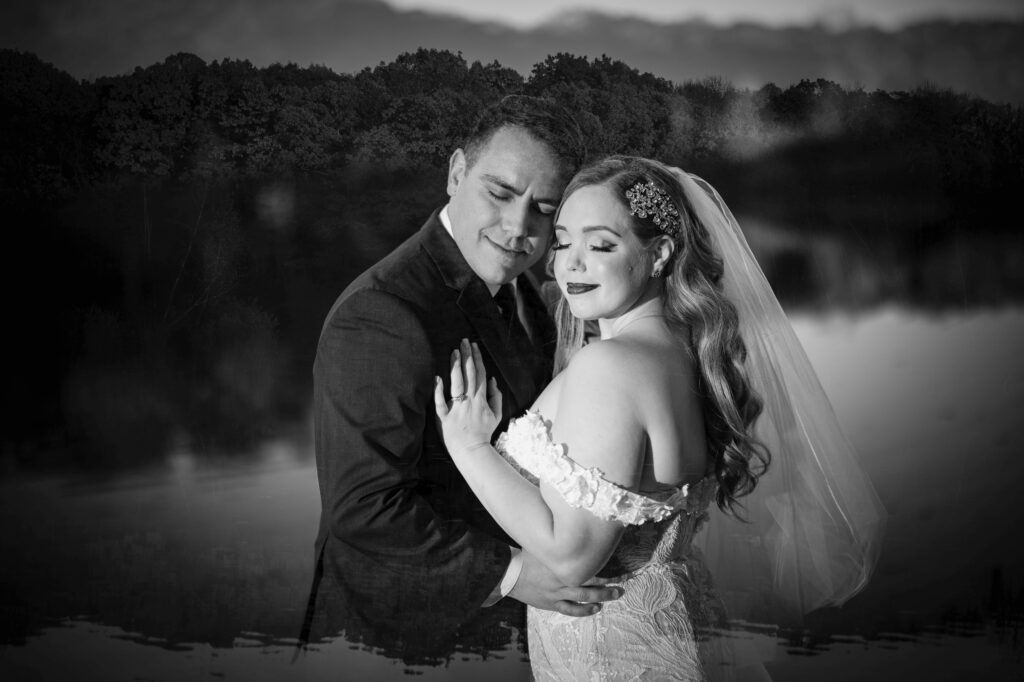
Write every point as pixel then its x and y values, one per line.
pixel 513 360
pixel 541 318
pixel 509 352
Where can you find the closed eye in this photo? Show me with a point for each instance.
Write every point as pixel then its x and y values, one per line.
pixel 602 248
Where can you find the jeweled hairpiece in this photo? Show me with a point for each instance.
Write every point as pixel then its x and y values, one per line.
pixel 648 200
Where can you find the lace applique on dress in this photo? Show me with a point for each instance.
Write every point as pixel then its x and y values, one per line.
pixel 527 445
pixel 669 623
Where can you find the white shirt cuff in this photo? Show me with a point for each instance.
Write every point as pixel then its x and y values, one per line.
pixel 508 581
pixel 515 567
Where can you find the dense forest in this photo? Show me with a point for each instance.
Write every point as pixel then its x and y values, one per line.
pixel 176 235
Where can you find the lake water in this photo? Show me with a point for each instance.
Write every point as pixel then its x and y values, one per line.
pixel 200 570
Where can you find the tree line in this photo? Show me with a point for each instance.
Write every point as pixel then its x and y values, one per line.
pixel 186 118
pixel 176 234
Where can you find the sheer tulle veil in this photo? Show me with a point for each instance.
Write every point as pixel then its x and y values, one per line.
pixel 814 522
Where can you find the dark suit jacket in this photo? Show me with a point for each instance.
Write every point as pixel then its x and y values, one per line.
pixel 405 550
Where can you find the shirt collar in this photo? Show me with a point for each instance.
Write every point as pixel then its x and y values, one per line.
pixel 445 220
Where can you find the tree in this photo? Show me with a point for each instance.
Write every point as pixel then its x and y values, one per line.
pixel 702 117
pixel 620 109
pixel 44 129
pixel 414 111
pixel 147 120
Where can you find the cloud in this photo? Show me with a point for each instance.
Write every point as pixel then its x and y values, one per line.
pixel 90 39
pixel 115 36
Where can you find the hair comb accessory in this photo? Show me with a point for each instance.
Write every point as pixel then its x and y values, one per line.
pixel 648 200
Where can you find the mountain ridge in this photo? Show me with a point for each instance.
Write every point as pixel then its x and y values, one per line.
pixel 983 58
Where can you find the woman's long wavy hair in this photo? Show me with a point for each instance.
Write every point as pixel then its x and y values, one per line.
pixel 707 322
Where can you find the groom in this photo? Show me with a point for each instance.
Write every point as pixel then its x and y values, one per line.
pixel 406 556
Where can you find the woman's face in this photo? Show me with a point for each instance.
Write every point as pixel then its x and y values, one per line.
pixel 599 263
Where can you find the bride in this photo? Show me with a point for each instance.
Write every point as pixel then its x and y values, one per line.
pixel 645 432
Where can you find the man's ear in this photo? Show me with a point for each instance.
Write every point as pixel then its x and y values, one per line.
pixel 456 171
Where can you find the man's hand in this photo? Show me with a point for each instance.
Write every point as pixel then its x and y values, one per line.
pixel 538 587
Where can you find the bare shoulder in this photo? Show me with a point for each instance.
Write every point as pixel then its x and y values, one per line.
pixel 625 395
pixel 622 365
pixel 609 355
pixel 598 419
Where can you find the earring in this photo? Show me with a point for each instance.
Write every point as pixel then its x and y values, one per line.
pixel 656 273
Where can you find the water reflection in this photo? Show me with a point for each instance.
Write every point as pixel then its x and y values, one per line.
pixel 933 268
pixel 404 613
pixel 200 569
pixel 177 556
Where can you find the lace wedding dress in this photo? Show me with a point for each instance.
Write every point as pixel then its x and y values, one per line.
pixel 663 627
pixel 814 531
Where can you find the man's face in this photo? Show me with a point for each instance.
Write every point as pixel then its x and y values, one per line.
pixel 502 207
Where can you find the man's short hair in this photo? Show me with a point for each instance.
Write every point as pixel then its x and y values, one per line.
pixel 545 119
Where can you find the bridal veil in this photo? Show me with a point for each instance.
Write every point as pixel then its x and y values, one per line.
pixel 814 523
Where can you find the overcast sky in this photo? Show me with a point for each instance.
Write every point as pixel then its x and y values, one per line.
pixel 887 13
pixel 91 38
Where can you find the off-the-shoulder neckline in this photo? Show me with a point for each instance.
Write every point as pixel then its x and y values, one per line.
pixel 669 492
